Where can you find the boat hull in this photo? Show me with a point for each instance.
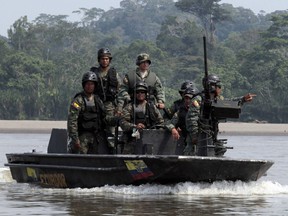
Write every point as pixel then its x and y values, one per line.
pixel 87 171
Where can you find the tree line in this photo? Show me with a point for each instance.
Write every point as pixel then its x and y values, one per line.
pixel 42 61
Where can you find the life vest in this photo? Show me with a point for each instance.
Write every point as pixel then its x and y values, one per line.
pixel 177 104
pixel 150 80
pixel 106 86
pixel 144 115
pixel 90 119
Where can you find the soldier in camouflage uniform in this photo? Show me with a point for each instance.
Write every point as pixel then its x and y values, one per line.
pixel 107 89
pixel 177 125
pixel 180 102
pixel 196 126
pixel 86 119
pixel 143 73
pixel 137 116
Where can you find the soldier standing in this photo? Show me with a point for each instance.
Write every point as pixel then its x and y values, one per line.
pixel 86 119
pixel 195 125
pixel 107 89
pixel 177 125
pixel 143 73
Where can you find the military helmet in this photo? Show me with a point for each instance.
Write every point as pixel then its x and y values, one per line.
pixel 186 84
pixel 191 91
pixel 213 79
pixel 143 57
pixel 140 85
pixel 89 76
pixel 104 52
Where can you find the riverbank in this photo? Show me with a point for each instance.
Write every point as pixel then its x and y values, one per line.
pixel 227 128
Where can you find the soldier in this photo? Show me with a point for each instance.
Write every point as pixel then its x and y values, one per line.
pixel 195 124
pixel 143 73
pixel 107 89
pixel 177 125
pixel 86 119
pixel 180 102
pixel 137 116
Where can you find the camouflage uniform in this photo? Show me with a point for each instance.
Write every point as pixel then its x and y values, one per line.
pixel 191 122
pixel 148 114
pixel 86 121
pixel 155 89
pixel 107 89
pixel 179 103
pixel 178 120
pixel 208 128
pixel 174 108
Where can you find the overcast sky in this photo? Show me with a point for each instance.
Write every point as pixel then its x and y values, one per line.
pixel 11 10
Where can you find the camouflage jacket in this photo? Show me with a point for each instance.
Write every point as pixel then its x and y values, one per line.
pixel 78 112
pixel 193 115
pixel 126 90
pixel 151 117
pixel 194 124
pixel 178 118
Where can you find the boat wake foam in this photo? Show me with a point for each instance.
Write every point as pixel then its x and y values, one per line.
pixel 223 188
pixel 5 175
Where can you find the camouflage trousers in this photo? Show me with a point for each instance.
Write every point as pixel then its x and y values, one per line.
pixel 89 143
pixel 110 129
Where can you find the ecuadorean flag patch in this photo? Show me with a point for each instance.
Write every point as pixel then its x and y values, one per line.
pixel 138 169
pixel 76 105
pixel 195 103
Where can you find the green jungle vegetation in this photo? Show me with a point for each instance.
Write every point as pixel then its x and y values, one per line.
pixel 42 61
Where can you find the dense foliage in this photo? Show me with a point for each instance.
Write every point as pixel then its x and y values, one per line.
pixel 42 61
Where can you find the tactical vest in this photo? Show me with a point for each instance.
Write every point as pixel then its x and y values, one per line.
pixel 177 104
pixel 145 116
pixel 150 80
pixel 107 86
pixel 90 119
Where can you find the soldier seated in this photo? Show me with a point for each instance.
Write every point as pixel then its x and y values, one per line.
pixel 138 115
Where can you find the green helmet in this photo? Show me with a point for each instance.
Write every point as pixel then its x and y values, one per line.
pixel 89 76
pixel 104 52
pixel 140 85
pixel 143 57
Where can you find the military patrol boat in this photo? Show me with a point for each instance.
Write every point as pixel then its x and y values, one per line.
pixel 158 160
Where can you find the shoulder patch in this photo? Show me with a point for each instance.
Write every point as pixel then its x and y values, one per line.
pixel 75 105
pixel 195 104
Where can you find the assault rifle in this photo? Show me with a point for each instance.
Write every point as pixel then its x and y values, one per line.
pixel 212 111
